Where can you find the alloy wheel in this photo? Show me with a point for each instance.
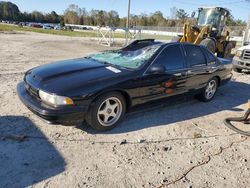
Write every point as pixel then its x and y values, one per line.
pixel 109 111
pixel 211 89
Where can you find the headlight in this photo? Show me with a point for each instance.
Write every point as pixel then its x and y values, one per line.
pixel 54 99
pixel 238 53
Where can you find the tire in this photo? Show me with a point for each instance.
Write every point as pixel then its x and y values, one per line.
pixel 237 70
pixel 176 39
pixel 227 51
pixel 107 111
pixel 209 44
pixel 209 91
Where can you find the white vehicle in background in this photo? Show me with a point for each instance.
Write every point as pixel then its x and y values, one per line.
pixel 241 59
pixel 47 26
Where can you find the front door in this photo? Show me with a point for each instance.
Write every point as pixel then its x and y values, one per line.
pixel 169 83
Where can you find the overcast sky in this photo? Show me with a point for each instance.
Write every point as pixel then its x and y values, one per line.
pixel 239 8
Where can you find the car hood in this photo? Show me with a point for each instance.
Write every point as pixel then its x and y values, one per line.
pixel 244 47
pixel 65 77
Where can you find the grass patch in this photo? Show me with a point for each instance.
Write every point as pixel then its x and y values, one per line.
pixel 12 28
pixel 5 27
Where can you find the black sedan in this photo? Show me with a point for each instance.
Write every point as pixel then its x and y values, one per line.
pixel 102 87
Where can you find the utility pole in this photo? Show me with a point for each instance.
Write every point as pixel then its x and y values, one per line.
pixel 127 24
pixel 248 28
pixel 246 37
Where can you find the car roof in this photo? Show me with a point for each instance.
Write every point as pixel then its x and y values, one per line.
pixel 139 44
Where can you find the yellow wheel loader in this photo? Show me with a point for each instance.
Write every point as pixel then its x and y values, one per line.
pixel 210 31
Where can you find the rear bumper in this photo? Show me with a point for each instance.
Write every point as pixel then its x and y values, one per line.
pixel 241 64
pixel 51 114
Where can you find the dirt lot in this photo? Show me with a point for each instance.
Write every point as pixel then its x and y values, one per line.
pixel 163 143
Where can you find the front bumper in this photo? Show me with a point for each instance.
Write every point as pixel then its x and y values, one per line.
pixel 241 63
pixel 50 114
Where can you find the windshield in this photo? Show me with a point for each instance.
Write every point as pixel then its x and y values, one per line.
pixel 128 59
pixel 209 16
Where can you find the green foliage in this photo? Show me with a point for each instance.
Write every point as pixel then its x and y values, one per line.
pixel 76 15
pixel 9 11
pixel 233 22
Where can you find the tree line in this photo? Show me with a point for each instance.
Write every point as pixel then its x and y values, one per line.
pixel 76 15
pixel 9 11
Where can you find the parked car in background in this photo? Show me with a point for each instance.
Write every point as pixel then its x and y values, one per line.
pixel 47 26
pixel 57 27
pixel 241 59
pixel 36 25
pixel 102 87
pixel 67 28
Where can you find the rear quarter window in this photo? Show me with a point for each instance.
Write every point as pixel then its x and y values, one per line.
pixel 211 59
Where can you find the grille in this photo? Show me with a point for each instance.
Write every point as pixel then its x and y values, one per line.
pixel 246 54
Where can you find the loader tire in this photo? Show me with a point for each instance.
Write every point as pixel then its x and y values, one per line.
pixel 209 44
pixel 227 51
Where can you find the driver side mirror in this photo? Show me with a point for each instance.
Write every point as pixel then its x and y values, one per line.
pixel 156 69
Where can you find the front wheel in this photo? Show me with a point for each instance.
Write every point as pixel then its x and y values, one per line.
pixel 210 90
pixel 106 111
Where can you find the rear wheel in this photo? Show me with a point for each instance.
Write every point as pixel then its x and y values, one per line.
pixel 107 111
pixel 210 90
pixel 209 44
pixel 227 51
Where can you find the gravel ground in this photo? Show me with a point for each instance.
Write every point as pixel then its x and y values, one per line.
pixel 184 144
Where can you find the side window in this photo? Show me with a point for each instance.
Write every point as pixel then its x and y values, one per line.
pixel 171 57
pixel 194 55
pixel 211 58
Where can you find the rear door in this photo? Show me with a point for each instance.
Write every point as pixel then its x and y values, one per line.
pixel 172 82
pixel 198 73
